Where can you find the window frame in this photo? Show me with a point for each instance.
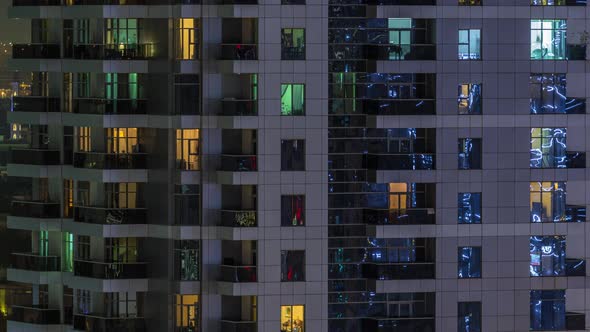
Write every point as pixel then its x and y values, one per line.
pixel 474 250
pixel 470 44
pixel 300 53
pixel 292 111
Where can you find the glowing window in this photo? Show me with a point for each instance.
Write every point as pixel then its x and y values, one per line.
pixel 548 39
pixel 187 312
pixel 292 99
pixel 292 318
pixel 122 140
pixel 469 98
pixel 293 44
pixel 187 46
pixel 547 201
pixel 470 44
pixel 548 148
pixel 84 139
pixel 187 149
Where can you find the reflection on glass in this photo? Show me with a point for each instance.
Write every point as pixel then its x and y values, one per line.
pixel 548 148
pixel 469 262
pixel 469 315
pixel 469 98
pixel 547 256
pixel 469 208
pixel 547 310
pixel 547 201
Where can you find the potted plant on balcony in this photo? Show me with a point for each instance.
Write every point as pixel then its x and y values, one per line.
pixel 577 49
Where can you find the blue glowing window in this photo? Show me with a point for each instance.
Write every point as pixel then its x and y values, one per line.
pixel 469 98
pixel 547 256
pixel 469 153
pixel 469 262
pixel 469 315
pixel 469 208
pixel 547 310
pixel 548 148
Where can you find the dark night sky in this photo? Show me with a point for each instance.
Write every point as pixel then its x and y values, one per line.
pixel 12 30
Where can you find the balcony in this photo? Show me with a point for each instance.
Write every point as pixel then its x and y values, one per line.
pixel 239 163
pixel 418 216
pixel 39 157
pixel 111 324
pixel 36 2
pixel 409 161
pixel 575 321
pixel 110 216
pixel 35 209
pixel 99 160
pixel 36 104
pixel 114 52
pixel 238 326
pixel 239 52
pixel 102 270
pixel 35 262
pixel 110 106
pixel 399 271
pixel 36 51
pixel 238 218
pixel 400 324
pixel 239 107
pixel 397 106
pixel 401 52
pixel 38 315
pixel 575 267
pixel 235 273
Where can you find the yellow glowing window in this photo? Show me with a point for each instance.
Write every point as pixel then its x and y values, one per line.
pixel 187 149
pixel 548 201
pixel 292 318
pixel 398 195
pixel 187 39
pixel 187 316
pixel 84 139
pixel 122 140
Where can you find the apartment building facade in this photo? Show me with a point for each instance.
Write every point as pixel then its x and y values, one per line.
pixel 302 165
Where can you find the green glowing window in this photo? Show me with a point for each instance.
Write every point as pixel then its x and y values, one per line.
pixel 292 99
pixel 43 243
pixel 548 39
pixel 293 44
pixel 68 252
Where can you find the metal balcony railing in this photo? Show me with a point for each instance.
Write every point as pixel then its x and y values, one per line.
pixel 109 106
pixel 235 273
pixel 102 270
pixel 35 262
pixel 36 104
pixel 36 51
pixel 110 216
pixel 238 218
pixel 98 160
pixel 239 107
pixel 237 326
pixel 40 157
pixel 35 209
pixel 114 51
pixel 39 315
pixel 110 324
pixel 239 163
pixel 239 51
